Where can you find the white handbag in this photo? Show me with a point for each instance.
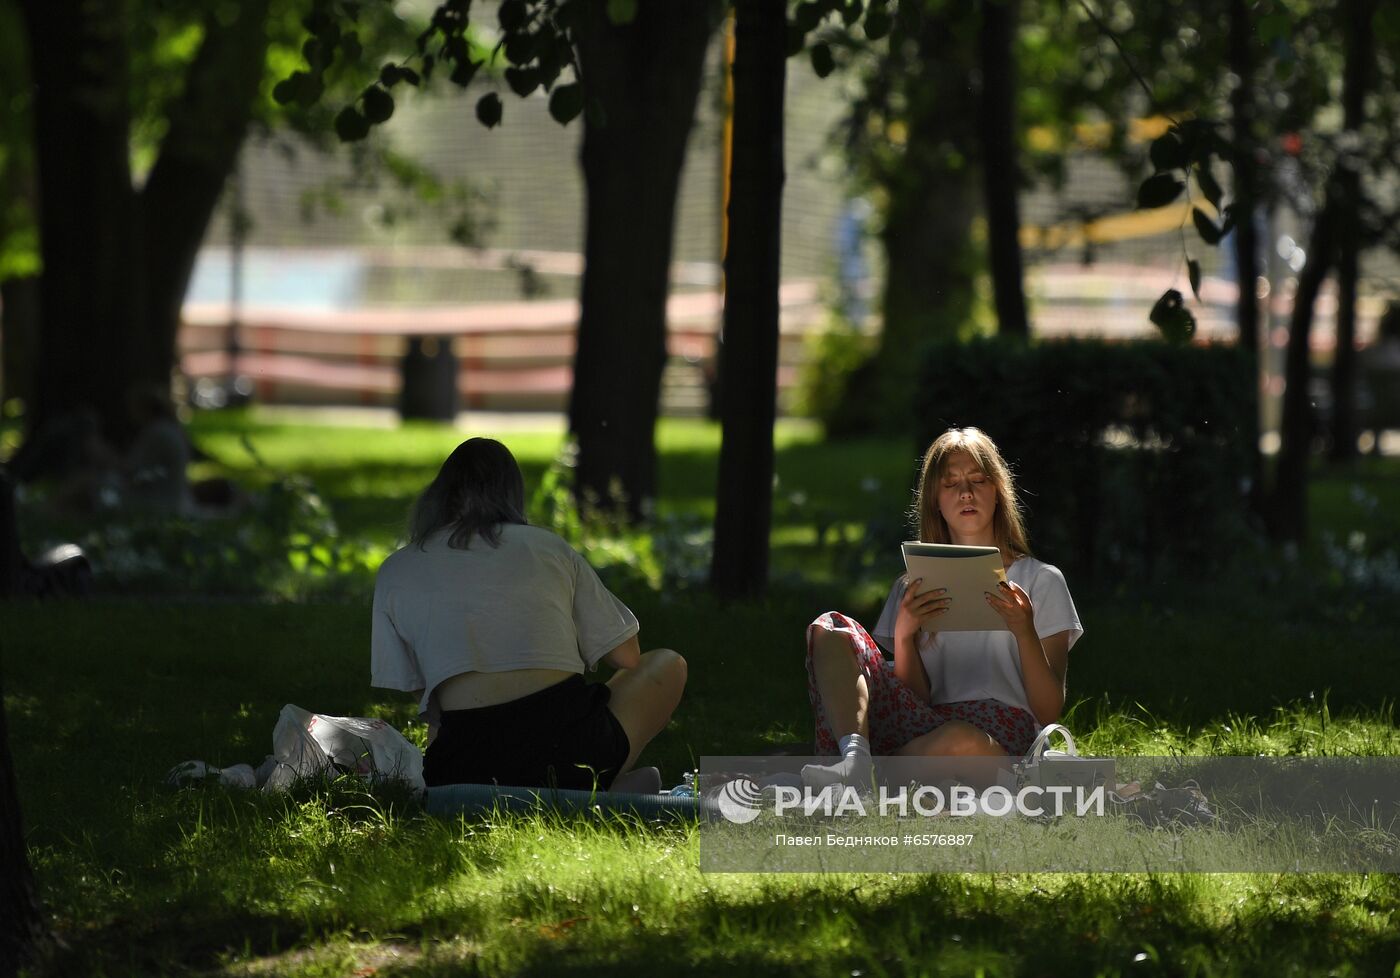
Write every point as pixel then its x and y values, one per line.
pixel 1046 767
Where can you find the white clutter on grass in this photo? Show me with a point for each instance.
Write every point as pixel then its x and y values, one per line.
pixel 306 745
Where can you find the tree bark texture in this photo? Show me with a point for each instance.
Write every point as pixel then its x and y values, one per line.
pixel 19 333
pixel 89 302
pixel 643 82
pixel 1246 173
pixel 1289 510
pixel 1246 202
pixel 21 924
pixel 1356 81
pixel 208 123
pixel 117 262
pixel 749 355
pixel 1001 179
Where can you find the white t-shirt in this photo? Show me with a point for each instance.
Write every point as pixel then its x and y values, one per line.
pixel 531 603
pixel 987 665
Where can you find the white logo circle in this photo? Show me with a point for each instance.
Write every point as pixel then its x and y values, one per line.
pixel 739 801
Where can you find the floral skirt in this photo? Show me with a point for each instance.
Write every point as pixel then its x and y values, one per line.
pixel 895 714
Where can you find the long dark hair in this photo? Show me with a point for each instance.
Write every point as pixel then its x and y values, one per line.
pixel 477 489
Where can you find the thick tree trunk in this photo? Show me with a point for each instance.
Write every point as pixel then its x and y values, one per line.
pixel 1356 81
pixel 208 123
pixel 645 77
pixel 749 358
pixel 1246 173
pixel 89 291
pixel 1001 180
pixel 19 335
pixel 1246 201
pixel 1289 509
pixel 21 924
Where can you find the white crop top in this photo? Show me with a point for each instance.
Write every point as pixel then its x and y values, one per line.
pixel 531 603
pixel 987 665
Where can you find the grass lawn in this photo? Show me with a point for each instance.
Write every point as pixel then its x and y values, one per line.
pixel 104 696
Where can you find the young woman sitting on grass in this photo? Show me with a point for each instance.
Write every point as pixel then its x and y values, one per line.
pixel 954 693
pixel 491 623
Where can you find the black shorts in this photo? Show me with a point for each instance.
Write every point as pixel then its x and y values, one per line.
pixel 564 736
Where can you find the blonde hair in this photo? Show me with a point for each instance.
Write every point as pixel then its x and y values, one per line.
pixel 1008 525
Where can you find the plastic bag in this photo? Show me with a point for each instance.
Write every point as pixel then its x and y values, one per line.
pixel 306 744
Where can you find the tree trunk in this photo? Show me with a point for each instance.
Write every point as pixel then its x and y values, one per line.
pixel 89 290
pixel 1246 236
pixel 1289 511
pixel 749 357
pixel 21 923
pixel 645 77
pixel 19 334
pixel 208 123
pixel 1356 80
pixel 1001 180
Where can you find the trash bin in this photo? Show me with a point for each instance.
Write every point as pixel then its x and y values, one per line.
pixel 429 390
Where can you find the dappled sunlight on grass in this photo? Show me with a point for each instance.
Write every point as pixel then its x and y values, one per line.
pixel 104 696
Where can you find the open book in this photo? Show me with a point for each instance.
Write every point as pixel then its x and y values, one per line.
pixel 968 573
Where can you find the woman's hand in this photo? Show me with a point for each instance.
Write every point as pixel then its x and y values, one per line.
pixel 1014 606
pixel 919 609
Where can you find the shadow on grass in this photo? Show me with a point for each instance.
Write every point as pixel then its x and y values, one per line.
pixel 952 925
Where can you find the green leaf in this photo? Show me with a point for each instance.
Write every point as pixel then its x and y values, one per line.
pixel 512 15
pixel 520 48
pixel 310 90
pixel 410 76
pixel 1159 190
pixel 1205 227
pixel 350 44
pixel 851 11
pixel 463 72
pixel 1171 316
pixel 622 11
pixel 379 105
pixel 1167 153
pixel 522 81
pixel 488 110
pixel 389 75
pixel 878 23
pixel 566 102
pixel 823 63
pixel 1206 181
pixel 317 55
pixel 1193 272
pixel 350 126
pixel 285 91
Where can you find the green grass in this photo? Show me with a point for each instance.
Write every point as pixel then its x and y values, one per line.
pixel 104 696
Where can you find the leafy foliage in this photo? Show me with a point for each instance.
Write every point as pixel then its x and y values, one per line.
pixel 284 542
pixel 1133 458
pixel 538 46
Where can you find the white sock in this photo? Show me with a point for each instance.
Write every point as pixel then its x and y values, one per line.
pixel 855 767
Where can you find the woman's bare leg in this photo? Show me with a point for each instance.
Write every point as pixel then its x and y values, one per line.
pixel 956 738
pixel 644 698
pixel 845 702
pixel 965 753
pixel 840 683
